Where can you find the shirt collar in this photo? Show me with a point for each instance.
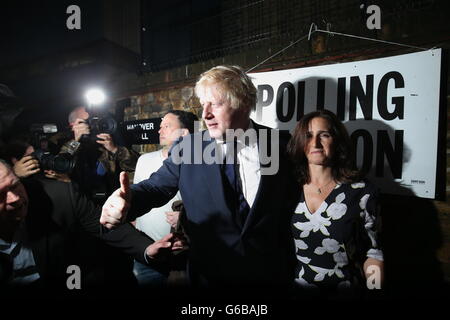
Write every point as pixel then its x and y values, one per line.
pixel 243 137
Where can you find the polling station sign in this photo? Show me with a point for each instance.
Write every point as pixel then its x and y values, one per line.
pixel 390 107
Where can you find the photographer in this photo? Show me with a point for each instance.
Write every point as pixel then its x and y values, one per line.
pixel 98 163
pixel 18 153
pixel 99 159
pixel 21 154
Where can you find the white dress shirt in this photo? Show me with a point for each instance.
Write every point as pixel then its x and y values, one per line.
pixel 248 160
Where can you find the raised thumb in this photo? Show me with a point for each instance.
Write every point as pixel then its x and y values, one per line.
pixel 124 184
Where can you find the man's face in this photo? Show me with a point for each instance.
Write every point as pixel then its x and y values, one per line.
pixel 79 125
pixel 80 113
pixel 218 114
pixel 169 130
pixel 13 197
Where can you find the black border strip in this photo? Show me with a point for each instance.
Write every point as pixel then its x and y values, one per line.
pixel 441 169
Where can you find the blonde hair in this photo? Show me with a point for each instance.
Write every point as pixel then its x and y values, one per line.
pixel 236 86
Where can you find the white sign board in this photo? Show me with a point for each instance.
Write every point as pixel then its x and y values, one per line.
pixel 390 107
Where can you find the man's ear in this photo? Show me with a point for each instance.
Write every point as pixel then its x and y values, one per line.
pixel 184 132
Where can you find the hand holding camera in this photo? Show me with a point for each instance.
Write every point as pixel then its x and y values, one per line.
pixel 80 128
pixel 98 129
pixel 26 166
pixel 107 142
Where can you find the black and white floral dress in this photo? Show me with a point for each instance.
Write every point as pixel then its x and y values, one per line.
pixel 322 238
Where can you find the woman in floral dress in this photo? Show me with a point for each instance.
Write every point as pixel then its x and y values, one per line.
pixel 334 224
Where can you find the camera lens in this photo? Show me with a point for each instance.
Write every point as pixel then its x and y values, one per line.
pixel 101 125
pixel 61 163
pixel 107 125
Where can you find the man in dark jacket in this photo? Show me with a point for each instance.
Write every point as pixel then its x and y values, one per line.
pixel 238 200
pixel 40 223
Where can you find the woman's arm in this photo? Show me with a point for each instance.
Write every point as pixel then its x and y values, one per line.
pixel 374 272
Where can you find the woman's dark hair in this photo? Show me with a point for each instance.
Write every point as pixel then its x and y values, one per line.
pixel 342 164
pixel 16 147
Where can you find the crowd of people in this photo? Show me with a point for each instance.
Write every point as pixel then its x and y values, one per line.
pixel 309 228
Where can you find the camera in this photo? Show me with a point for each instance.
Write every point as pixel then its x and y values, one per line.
pixel 97 125
pixel 61 163
pixel 102 125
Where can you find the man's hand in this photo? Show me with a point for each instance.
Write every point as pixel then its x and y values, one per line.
pixel 51 174
pixel 106 141
pixel 172 218
pixel 115 209
pixel 26 166
pixel 80 128
pixel 169 241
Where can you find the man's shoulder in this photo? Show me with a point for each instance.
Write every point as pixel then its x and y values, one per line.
pixel 146 164
pixel 150 155
pixel 283 135
pixel 48 196
pixel 258 126
pixel 51 187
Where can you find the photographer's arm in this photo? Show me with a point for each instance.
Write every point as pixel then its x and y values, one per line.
pixel 70 147
pixel 79 128
pixel 125 158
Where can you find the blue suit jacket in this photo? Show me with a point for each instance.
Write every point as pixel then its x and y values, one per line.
pixel 221 251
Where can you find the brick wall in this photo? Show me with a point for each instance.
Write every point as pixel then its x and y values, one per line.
pixel 156 103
